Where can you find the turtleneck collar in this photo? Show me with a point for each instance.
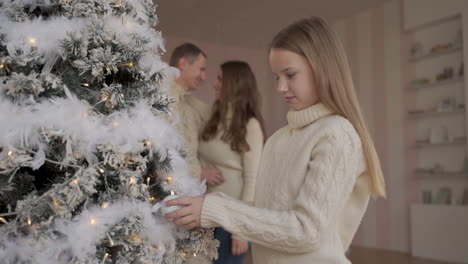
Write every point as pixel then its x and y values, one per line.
pixel 301 118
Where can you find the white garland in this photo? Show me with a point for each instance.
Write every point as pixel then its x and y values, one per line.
pixel 87 230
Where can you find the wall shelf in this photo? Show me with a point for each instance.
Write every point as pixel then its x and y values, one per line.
pixel 427 144
pixel 433 113
pixel 442 175
pixel 435 54
pixel 456 80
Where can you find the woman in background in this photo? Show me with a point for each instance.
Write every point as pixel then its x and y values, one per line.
pixel 232 142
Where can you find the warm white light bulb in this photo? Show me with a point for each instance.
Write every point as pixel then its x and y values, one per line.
pixel 32 41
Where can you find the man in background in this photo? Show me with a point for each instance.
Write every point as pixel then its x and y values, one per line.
pixel 191 62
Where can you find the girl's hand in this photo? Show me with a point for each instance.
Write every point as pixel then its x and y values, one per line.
pixel 190 215
pixel 239 247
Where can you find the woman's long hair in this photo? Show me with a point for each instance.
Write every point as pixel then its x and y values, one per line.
pixel 314 40
pixel 239 101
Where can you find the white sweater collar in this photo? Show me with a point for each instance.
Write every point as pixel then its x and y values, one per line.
pixel 301 118
pixel 178 91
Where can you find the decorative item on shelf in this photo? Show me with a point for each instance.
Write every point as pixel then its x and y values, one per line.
pixel 438 134
pixel 437 168
pixel 447 104
pixel 444 196
pixel 419 82
pixel 447 73
pixel 461 70
pixel 417 49
pixel 441 47
pixel 427 196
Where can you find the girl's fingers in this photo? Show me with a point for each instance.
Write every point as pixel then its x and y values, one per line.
pixel 186 220
pixel 235 249
pixel 191 225
pixel 181 201
pixel 245 248
pixel 179 213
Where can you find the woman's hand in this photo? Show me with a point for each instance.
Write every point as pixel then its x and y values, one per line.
pixel 190 215
pixel 213 176
pixel 239 247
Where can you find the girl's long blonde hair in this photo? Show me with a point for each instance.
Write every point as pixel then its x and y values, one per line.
pixel 313 39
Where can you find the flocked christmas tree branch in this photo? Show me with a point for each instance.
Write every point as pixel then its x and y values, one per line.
pixel 86 155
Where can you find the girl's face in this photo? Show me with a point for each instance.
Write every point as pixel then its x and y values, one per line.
pixel 296 81
pixel 217 85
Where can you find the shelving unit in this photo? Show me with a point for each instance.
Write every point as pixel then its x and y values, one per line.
pixel 438 231
pixel 424 112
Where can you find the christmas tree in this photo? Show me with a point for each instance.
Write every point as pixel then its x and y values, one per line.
pixel 86 156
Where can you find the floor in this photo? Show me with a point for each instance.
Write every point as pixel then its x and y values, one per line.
pixel 361 255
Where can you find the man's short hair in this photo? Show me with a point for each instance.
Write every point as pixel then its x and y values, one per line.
pixel 186 50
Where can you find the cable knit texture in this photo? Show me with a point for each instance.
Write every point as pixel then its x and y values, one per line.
pixel 239 169
pixel 191 118
pixel 310 196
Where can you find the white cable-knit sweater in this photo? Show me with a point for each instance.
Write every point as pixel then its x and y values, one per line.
pixel 189 119
pixel 239 169
pixel 310 195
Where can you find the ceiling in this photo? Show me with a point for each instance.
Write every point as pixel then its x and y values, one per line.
pixel 246 23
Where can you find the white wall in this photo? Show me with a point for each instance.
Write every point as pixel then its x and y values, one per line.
pixel 421 12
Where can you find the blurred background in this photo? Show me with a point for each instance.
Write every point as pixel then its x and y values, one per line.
pixel 407 60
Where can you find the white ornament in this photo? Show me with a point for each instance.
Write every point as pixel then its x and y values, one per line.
pixel 167 209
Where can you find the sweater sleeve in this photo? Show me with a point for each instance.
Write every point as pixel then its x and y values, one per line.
pixel 199 114
pixel 332 172
pixel 251 159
